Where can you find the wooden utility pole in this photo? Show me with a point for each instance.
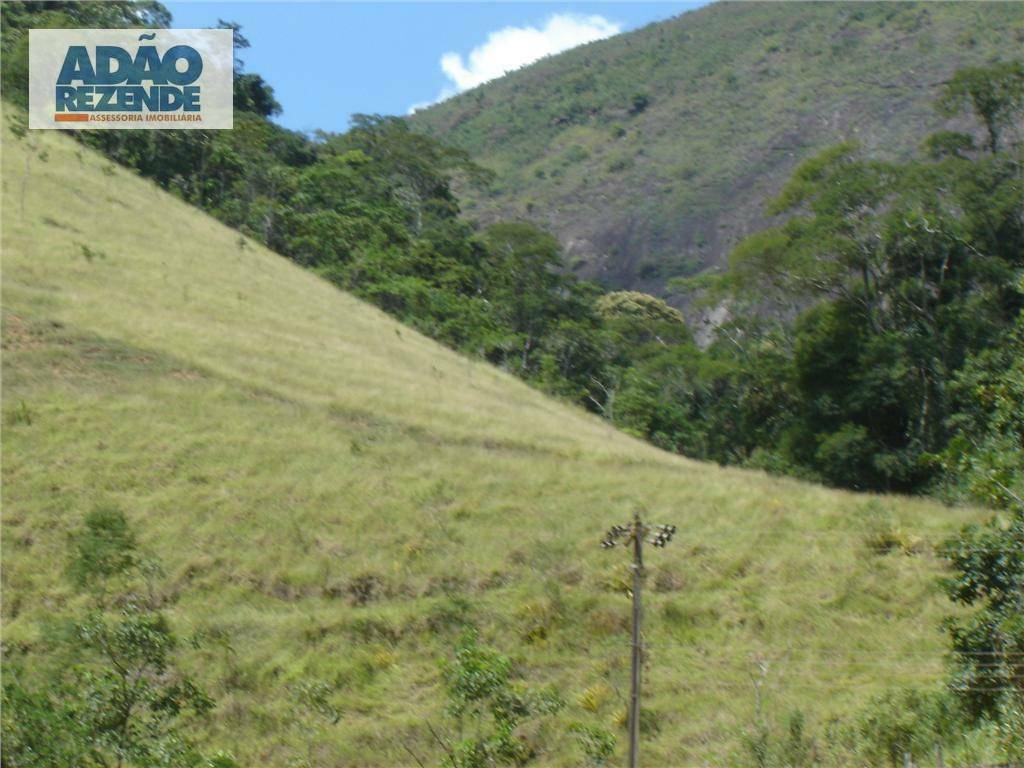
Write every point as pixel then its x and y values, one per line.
pixel 635 533
pixel 634 695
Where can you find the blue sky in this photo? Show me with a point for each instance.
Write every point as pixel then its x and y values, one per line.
pixel 327 60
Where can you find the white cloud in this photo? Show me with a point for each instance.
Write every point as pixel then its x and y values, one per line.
pixel 510 48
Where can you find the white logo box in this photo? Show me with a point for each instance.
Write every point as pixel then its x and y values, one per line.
pixel 148 79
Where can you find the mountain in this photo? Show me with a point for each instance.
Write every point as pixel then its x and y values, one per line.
pixel 652 153
pixel 332 496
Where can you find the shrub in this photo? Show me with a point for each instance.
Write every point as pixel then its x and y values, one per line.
pixel 640 102
pixel 844 457
pixel 906 722
pixel 481 694
pixel 117 696
pixel 104 548
pixel 596 743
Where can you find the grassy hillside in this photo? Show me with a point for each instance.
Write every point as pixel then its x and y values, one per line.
pixel 652 153
pixel 280 445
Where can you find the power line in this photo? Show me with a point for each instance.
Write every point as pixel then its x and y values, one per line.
pixel 783 687
pixel 790 652
pixel 940 536
pixel 852 539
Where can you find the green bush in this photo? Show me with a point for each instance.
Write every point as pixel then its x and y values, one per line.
pixel 907 722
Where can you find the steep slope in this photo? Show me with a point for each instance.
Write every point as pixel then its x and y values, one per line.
pixel 331 494
pixel 650 154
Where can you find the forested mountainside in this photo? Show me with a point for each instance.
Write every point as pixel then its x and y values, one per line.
pixel 651 154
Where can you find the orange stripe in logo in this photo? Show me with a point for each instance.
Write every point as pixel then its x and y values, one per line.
pixel 67 117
